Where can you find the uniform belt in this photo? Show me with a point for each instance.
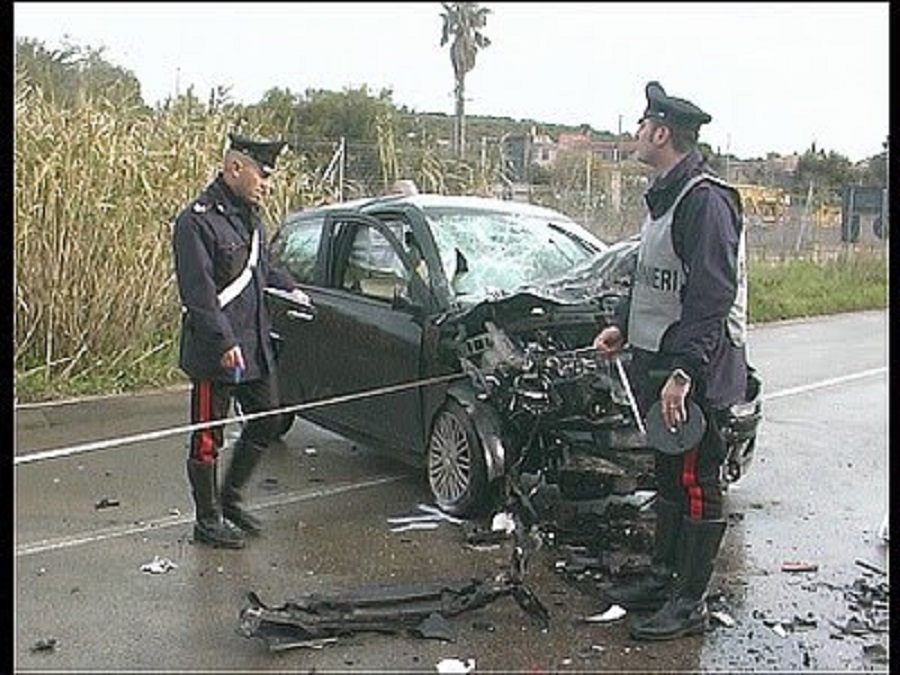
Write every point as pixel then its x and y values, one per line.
pixel 234 289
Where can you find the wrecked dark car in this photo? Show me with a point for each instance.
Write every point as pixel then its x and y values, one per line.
pixel 455 333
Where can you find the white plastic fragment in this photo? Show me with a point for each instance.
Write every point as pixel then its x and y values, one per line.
pixel 435 511
pixel 417 525
pixel 503 522
pixel 455 666
pixel 884 528
pixel 612 613
pixel 158 565
pixel 723 619
pixel 779 630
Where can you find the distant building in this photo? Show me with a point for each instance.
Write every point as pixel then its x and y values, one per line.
pixel 605 149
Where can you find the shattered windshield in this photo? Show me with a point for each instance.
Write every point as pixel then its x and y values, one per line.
pixel 493 253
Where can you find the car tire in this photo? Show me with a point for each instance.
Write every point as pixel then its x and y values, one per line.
pixel 457 475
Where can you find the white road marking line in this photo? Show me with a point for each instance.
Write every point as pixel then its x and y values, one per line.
pixel 46 545
pixel 802 389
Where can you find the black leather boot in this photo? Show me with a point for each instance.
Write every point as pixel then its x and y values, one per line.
pixel 651 590
pixel 210 528
pixel 686 612
pixel 244 458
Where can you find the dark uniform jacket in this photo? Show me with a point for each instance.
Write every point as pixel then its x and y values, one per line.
pixel 705 231
pixel 211 240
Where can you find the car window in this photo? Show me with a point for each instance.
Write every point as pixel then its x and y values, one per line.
pixel 373 267
pixel 486 252
pixel 403 231
pixel 296 245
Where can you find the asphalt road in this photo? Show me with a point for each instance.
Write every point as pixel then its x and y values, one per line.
pixel 86 523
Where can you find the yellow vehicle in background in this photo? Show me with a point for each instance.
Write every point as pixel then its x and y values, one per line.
pixel 763 204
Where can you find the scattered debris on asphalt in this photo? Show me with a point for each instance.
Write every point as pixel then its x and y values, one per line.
pixel 776 627
pixel 876 652
pixel 503 522
pixel 429 519
pixel 482 538
pixel 45 645
pixel 884 530
pixel 416 525
pixel 869 566
pixel 437 513
pixel 613 613
pixel 723 618
pixel 454 666
pixel 158 565
pixel 419 609
pixel 434 627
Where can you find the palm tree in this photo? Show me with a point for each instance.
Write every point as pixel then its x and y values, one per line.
pixel 463 21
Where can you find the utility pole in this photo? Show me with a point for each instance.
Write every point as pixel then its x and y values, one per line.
pixel 618 153
pixel 728 158
pixel 884 193
pixel 587 192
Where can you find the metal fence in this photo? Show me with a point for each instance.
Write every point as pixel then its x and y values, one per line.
pixel 606 198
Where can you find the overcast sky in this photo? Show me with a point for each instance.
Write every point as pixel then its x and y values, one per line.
pixel 775 77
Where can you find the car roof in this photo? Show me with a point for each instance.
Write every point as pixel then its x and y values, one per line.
pixel 428 200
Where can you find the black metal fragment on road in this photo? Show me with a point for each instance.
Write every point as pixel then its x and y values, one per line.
pixel 45 645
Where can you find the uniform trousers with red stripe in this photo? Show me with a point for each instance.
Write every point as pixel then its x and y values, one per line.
pixel 210 401
pixel 692 479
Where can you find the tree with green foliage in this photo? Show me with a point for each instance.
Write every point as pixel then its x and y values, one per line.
pixel 829 173
pixel 463 22
pixel 72 74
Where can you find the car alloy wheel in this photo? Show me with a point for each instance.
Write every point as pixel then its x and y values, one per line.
pixel 456 469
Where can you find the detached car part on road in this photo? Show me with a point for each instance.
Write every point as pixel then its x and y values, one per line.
pixel 455 332
pixel 418 608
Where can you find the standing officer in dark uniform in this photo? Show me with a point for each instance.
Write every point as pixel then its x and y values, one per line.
pixel 222 267
pixel 685 321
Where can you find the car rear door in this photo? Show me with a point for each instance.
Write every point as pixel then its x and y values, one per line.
pixel 363 347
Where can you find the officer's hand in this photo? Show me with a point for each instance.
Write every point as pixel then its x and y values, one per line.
pixel 672 402
pixel 609 341
pixel 300 296
pixel 233 358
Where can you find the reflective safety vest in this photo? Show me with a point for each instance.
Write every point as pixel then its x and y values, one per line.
pixel 660 275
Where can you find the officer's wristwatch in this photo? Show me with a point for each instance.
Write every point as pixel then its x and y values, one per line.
pixel 680 377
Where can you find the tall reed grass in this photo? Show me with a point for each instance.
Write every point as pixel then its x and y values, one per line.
pixel 97 186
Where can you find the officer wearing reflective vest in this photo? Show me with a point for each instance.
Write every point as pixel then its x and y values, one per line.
pixel 222 268
pixel 685 323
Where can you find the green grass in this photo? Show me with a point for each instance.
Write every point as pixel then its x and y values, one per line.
pixel 800 288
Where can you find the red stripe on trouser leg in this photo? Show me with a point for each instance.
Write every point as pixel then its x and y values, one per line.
pixel 206 442
pixel 691 486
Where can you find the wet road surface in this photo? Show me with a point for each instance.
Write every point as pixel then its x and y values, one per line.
pixel 85 524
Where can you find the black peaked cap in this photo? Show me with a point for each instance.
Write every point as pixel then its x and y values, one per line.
pixel 263 153
pixel 672 110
